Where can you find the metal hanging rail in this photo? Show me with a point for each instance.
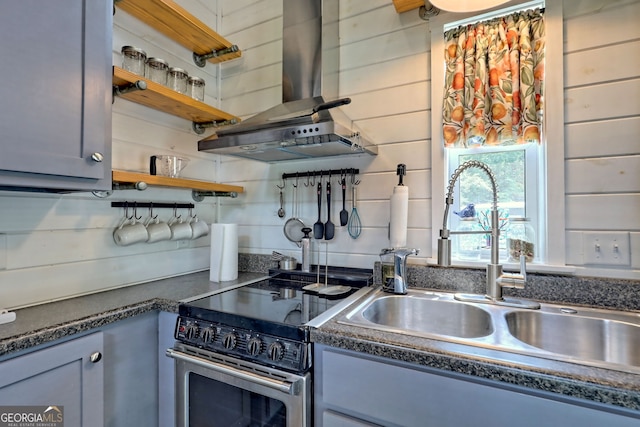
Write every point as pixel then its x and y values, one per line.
pixel 348 171
pixel 153 205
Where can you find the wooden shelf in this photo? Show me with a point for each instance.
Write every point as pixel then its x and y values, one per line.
pixel 178 24
pixel 407 5
pixel 164 99
pixel 126 177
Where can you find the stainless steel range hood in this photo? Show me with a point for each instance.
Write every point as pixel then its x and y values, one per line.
pixel 293 130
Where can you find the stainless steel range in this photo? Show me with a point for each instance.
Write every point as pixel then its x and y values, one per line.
pixel 243 355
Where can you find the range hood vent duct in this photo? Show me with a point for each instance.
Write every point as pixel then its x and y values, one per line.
pixel 309 123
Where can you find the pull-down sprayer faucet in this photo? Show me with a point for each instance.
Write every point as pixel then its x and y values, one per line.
pixel 496 279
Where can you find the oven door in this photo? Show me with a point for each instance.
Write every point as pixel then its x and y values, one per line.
pixel 217 390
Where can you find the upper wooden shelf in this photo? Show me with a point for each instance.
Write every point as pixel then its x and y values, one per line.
pixel 165 181
pixel 164 99
pixel 407 5
pixel 177 23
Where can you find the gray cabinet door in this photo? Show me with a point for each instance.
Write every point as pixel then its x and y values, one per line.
pixel 131 371
pixel 352 389
pixel 63 376
pixel 56 94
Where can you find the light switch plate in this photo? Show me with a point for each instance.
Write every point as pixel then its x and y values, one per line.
pixel 607 248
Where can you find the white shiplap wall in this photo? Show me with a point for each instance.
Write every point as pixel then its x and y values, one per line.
pixel 385 65
pixel 56 246
pixel 602 125
pixel 384 70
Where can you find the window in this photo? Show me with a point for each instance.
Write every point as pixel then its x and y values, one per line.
pixel 530 177
pixel 515 169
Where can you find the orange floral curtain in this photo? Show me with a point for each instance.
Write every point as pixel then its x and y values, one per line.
pixel 494 81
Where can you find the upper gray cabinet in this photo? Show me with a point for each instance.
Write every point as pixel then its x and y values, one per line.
pixel 55 126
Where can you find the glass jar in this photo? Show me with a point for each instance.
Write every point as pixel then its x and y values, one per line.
pixel 133 59
pixel 467 246
pixel 196 88
pixel 521 238
pixel 157 70
pixel 177 80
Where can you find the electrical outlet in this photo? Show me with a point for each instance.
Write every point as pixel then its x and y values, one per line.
pixel 607 248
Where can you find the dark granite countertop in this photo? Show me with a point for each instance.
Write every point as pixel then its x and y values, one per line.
pixel 45 323
pixel 586 382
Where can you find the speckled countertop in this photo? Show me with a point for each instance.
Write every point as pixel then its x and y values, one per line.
pixel 44 323
pixel 586 382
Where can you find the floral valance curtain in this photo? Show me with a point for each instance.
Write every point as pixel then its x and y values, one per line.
pixel 494 81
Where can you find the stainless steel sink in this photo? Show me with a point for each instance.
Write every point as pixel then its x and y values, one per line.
pixel 424 315
pixel 594 337
pixel 581 337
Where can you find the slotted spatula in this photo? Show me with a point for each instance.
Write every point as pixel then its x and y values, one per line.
pixel 344 215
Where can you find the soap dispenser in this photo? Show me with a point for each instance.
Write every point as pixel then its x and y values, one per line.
pixel 305 243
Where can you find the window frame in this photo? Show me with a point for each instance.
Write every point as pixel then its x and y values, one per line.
pixel 551 210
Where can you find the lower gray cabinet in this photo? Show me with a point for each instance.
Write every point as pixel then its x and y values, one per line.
pixel 353 390
pixel 67 375
pixel 131 372
pixel 166 370
pixel 118 376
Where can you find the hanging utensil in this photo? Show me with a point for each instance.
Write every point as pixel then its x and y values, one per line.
pixel 329 228
pixel 318 227
pixel 294 225
pixel 354 227
pixel 281 212
pixel 344 215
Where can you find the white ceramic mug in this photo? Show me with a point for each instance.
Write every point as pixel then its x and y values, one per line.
pixel 180 230
pixel 198 228
pixel 158 230
pixel 130 231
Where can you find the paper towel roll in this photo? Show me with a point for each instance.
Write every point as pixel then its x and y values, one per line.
pixel 399 214
pixel 224 252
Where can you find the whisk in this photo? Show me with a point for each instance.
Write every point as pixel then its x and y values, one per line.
pixel 354 226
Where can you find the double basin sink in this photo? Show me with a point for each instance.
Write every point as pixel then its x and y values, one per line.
pixel 602 338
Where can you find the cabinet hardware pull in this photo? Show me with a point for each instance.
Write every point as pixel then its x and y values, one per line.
pixel 95 357
pixel 97 157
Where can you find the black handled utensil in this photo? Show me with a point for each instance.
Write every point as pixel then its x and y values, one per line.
pixel 329 228
pixel 344 215
pixel 318 227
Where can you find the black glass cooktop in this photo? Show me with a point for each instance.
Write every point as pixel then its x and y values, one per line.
pixel 276 306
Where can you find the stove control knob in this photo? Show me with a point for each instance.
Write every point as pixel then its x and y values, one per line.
pixel 254 346
pixel 230 341
pixel 208 335
pixel 191 332
pixel 276 351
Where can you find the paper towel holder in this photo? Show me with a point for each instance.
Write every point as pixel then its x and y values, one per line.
pixel 401 171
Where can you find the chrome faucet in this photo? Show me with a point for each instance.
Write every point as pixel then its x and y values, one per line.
pixel 399 268
pixel 496 278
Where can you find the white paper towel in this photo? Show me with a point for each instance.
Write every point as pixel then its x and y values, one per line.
pixel 224 252
pixel 399 213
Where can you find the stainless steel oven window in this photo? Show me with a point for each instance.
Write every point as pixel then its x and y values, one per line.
pixel 216 390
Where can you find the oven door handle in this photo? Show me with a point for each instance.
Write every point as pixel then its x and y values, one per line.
pixel 292 388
